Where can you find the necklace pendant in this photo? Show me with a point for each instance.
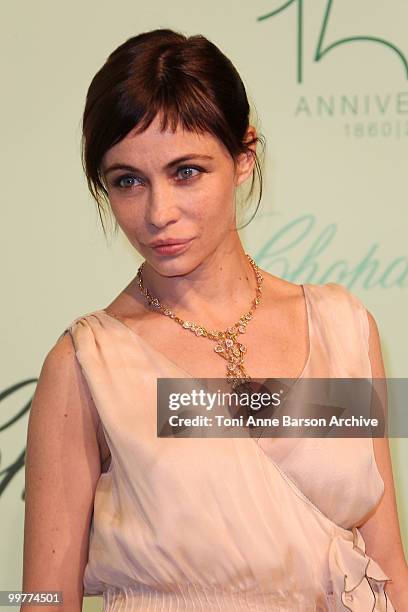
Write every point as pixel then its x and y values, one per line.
pixel 242 347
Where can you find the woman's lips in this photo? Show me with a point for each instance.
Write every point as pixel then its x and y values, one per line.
pixel 171 249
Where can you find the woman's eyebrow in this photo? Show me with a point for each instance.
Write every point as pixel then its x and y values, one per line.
pixel 174 162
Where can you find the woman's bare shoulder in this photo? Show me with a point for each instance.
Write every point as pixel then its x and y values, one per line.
pixel 129 305
pixel 61 370
pixel 278 288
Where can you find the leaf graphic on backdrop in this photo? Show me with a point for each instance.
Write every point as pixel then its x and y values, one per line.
pixel 8 472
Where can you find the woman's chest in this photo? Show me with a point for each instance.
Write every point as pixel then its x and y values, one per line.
pixel 263 351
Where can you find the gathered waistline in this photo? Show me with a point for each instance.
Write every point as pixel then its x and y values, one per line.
pixel 194 597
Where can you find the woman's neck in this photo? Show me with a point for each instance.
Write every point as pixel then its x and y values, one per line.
pixel 221 286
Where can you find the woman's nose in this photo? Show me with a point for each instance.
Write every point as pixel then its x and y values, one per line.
pixel 161 206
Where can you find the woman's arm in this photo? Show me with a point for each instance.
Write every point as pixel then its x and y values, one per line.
pixel 62 469
pixel 381 531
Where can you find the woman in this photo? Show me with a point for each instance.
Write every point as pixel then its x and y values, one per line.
pixel 210 524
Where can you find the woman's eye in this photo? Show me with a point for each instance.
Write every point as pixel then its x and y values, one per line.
pixel 128 181
pixel 125 182
pixel 187 172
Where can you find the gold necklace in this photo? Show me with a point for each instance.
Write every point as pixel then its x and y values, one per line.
pixel 227 345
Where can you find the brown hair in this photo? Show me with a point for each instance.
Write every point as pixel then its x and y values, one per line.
pixel 186 79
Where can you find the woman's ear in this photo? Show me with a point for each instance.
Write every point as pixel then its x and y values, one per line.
pixel 246 161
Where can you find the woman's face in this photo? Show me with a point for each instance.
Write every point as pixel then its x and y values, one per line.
pixel 174 186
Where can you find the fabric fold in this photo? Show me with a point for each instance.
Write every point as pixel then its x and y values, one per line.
pixel 357 580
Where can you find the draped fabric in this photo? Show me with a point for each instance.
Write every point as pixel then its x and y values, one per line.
pixel 228 523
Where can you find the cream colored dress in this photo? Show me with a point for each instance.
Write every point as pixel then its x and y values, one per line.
pixel 226 523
